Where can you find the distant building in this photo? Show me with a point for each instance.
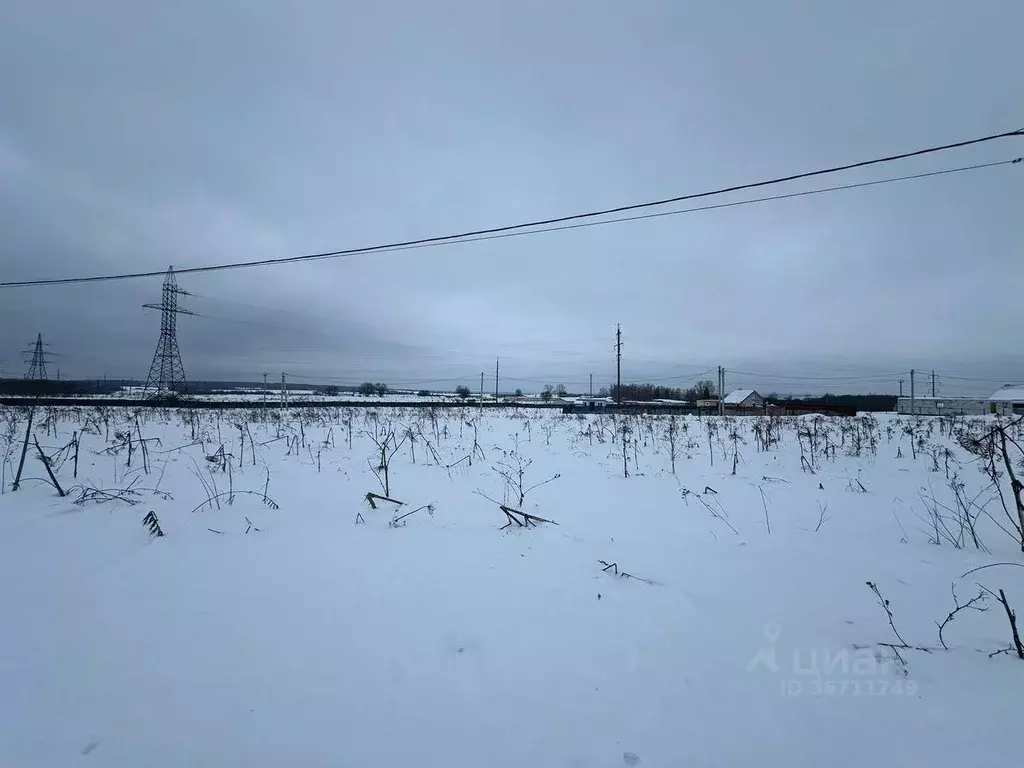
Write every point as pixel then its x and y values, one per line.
pixel 943 406
pixel 1008 400
pixel 592 402
pixel 743 399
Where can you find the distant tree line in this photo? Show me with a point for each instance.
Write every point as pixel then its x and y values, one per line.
pixel 52 388
pixel 702 390
pixel 551 391
pixel 369 388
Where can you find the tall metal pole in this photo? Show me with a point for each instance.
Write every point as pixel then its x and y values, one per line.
pixel 718 390
pixel 901 387
pixel 933 382
pixel 591 385
pixel 912 409
pixel 721 391
pixel 618 364
pixel 166 373
pixel 481 386
pixel 496 361
pixel 264 391
pixel 37 368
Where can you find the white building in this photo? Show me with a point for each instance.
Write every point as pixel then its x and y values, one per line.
pixel 743 398
pixel 592 401
pixel 1008 400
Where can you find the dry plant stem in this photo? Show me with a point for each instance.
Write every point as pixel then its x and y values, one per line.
pixel 46 465
pixel 764 503
pixel 971 604
pixel 1011 616
pixel 1015 484
pixel 885 605
pixel 24 449
pixel 990 565
pixel 821 517
pixel 371 498
pixel 513 516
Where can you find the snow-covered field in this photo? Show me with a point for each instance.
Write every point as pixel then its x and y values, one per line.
pixel 282 620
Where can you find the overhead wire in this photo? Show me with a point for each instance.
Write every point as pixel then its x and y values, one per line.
pixel 552 224
pixel 977 379
pixel 785 377
pixel 508 231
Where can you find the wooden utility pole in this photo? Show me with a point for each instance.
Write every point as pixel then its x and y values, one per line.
pixel 901 387
pixel 618 364
pixel 264 391
pixel 496 361
pixel 591 385
pixel 481 387
pixel 284 392
pixel 933 382
pixel 912 391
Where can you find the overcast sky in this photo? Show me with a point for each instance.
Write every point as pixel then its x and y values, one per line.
pixel 136 135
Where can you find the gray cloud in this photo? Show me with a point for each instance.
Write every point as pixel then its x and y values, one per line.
pixel 133 136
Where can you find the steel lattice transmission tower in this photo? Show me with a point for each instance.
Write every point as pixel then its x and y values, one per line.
pixel 166 373
pixel 37 368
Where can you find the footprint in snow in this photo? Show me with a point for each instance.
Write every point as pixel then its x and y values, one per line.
pixel 631 759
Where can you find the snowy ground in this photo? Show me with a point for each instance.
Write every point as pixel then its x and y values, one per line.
pixel 295 634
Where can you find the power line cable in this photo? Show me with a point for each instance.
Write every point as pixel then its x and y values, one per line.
pixel 510 229
pixel 974 378
pixel 457 239
pixel 784 377
pixel 688 376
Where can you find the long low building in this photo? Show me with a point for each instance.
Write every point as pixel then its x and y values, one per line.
pixel 1006 402
pixel 943 406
